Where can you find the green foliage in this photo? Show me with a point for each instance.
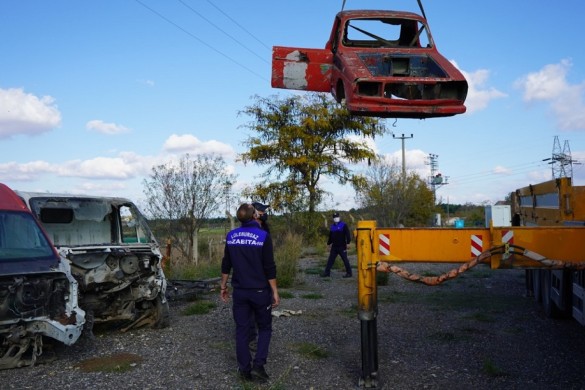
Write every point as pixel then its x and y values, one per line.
pixel 198 308
pixel 287 254
pixel 285 294
pixel 393 200
pixel 472 214
pixel 302 139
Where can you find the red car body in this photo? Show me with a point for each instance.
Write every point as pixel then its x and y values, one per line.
pixel 377 63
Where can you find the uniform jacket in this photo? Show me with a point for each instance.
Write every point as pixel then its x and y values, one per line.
pixel 339 235
pixel 248 251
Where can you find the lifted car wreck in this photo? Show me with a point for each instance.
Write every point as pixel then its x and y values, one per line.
pixel 38 294
pixel 113 255
pixel 377 63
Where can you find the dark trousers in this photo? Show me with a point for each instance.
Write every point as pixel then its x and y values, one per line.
pixel 341 251
pixel 250 305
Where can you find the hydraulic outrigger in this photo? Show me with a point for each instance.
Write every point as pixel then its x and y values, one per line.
pixel 499 247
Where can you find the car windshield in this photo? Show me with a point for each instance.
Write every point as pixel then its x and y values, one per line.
pixel 386 32
pixel 21 238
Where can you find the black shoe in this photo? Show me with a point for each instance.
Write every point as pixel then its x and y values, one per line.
pixel 347 276
pixel 260 373
pixel 324 275
pixel 245 375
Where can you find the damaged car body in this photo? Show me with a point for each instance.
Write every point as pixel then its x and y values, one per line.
pixel 113 255
pixel 376 63
pixel 38 294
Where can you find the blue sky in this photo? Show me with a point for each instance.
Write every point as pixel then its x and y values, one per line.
pixel 92 94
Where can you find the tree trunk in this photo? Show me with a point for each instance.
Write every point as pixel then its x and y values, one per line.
pixel 195 249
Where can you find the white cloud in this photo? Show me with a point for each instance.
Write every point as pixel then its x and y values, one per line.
pixel 106 128
pixel 98 168
pixel 566 101
pixel 124 166
pixel 478 95
pixel 24 172
pixel 25 113
pixel 188 143
pixel 500 170
pixel 546 84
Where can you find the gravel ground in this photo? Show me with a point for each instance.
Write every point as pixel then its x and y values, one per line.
pixel 478 331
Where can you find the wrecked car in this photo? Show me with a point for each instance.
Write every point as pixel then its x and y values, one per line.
pixel 113 255
pixel 376 63
pixel 38 294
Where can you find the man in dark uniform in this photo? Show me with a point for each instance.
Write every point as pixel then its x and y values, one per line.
pixel 248 252
pixel 262 216
pixel 339 239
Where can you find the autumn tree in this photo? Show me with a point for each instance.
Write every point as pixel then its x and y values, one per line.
pixel 301 139
pixel 184 193
pixel 392 200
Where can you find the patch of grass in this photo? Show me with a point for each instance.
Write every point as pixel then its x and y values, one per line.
pixel 312 296
pixel 311 351
pixel 393 297
pixel 208 269
pixel 382 278
pixel 121 362
pixel 199 307
pixel 313 271
pixel 285 294
pixel 491 369
pixel 481 317
pixel 349 311
pixel 444 337
pixel 287 255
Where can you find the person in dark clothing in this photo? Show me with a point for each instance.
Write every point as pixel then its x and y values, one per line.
pixel 249 254
pixel 262 216
pixel 339 239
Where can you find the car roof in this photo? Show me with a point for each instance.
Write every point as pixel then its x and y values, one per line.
pixel 30 195
pixel 9 200
pixel 368 13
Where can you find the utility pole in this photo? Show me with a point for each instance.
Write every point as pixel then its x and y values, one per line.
pixel 436 179
pixel 403 137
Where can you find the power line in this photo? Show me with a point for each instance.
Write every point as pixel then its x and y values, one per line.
pixel 200 40
pixel 223 31
pixel 239 25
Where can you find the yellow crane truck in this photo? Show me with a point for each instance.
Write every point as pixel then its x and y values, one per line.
pixel 546 238
pixel 551 204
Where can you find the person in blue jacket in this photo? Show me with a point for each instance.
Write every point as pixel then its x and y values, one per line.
pixel 249 256
pixel 339 239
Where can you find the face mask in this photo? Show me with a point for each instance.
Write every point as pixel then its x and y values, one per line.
pixel 336 219
pixel 263 217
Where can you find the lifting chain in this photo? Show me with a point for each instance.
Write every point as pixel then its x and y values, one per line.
pixel 451 274
pixel 434 280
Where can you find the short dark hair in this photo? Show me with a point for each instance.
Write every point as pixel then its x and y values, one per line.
pixel 245 212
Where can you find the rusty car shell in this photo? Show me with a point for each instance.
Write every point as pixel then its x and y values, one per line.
pixel 376 63
pixel 38 294
pixel 113 255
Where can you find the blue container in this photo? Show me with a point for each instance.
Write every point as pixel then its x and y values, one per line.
pixel 459 223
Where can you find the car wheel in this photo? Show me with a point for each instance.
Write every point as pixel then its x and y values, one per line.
pixel 161 313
